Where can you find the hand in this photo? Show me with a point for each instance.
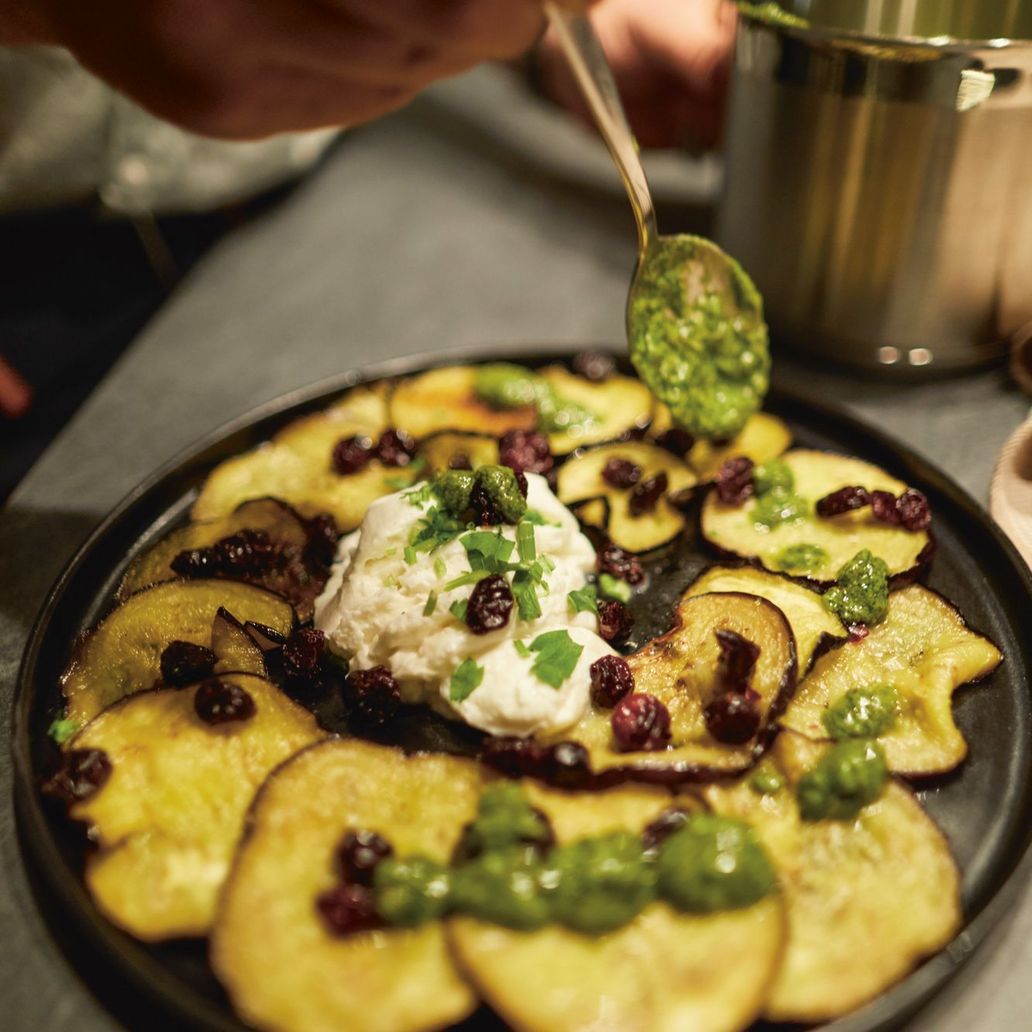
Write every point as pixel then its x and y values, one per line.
pixel 248 68
pixel 670 59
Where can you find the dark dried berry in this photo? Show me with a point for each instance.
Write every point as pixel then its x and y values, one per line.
pixel 621 473
pixel 858 631
pixel 845 499
pixel 182 663
pixel 737 660
pixel 733 717
pixel 351 454
pixel 195 563
pixel 645 496
pixel 375 694
pixel 594 366
pixel 347 909
pixel 483 506
pixel 669 821
pixel 246 553
pixel 460 460
pixel 490 605
pixel 521 482
pixel 321 545
pixel 676 441
pixel 302 653
pixel 525 451
pixel 83 772
pixel 640 722
pixel 611 680
pixel 734 481
pixel 510 755
pixel 620 564
pixel 615 621
pixel 883 507
pixel 914 511
pixel 220 702
pixel 565 764
pixel 395 448
pixel 359 852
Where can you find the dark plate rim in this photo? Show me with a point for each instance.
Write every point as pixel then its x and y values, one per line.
pixel 153 979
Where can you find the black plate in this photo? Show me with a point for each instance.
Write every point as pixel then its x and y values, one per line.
pixel 985 808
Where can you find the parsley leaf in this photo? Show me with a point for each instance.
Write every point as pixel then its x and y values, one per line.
pixel 583 600
pixel 436 528
pixel 487 550
pixel 465 680
pixel 613 587
pixel 557 655
pixel 458 609
pixel 521 648
pixel 525 594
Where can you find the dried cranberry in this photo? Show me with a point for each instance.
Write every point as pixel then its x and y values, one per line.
pixel 611 680
pixel 521 482
pixel 646 495
pixel 640 722
pixel 248 552
pixel 376 695
pixel 659 830
pixel 676 441
pixel 351 454
pixel 347 909
pixel 460 460
pixel 733 717
pixel 490 605
pixel 737 660
pixel 614 620
pixel 220 702
pixel 195 563
pixel 83 772
pixel 845 499
pixel 914 511
pixel 858 631
pixel 358 854
pixel 734 481
pixel 483 507
pixel 302 652
pixel 525 451
pixel 510 755
pixel 594 366
pixel 620 564
pixel 183 662
pixel 619 472
pixel 565 764
pixel 395 448
pixel 321 543
pixel 883 507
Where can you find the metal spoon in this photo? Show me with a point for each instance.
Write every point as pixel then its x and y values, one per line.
pixel 719 361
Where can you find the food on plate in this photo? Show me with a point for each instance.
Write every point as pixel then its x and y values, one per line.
pixel 866 897
pixel 640 484
pixel 772 513
pixel 122 654
pixel 166 820
pixel 918 656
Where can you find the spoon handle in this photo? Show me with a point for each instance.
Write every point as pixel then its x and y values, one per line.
pixel 587 59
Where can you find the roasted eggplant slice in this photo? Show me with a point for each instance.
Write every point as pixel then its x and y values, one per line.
pixel 815 628
pixel 168 818
pixel 735 530
pixel 462 450
pixel 235 650
pixel 282 969
pixel 121 655
pixel 681 669
pixel 664 972
pixel 924 651
pixel 361 412
pixel 582 478
pixel 866 899
pixel 444 399
pixel 763 437
pixel 618 405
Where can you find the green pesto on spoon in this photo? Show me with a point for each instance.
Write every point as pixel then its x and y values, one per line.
pixel 695 325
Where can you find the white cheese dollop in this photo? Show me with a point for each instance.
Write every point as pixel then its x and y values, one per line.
pixel 374 611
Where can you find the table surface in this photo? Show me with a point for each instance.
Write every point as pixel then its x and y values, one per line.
pixel 476 216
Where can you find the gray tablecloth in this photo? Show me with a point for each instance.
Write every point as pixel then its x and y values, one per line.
pixel 475 217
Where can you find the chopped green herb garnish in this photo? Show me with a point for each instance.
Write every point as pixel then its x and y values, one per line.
pixel 439 567
pixel 458 609
pixel 612 587
pixel 435 529
pixel 524 591
pixel 62 728
pixel 420 495
pixel 487 550
pixel 522 649
pixel 533 516
pixel 526 547
pixel 465 680
pixel 583 600
pixel 557 655
pixel 431 604
pixel 390 553
pixel 467 578
pixel 548 563
pixel 410 555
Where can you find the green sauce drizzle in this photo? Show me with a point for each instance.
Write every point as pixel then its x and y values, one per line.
pixel 863 712
pixel 848 777
pixel 503 385
pixel 801 558
pixel 776 500
pixel 766 780
pixel 411 891
pixel 861 591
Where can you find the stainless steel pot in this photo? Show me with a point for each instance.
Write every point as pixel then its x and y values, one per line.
pixel 879 178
